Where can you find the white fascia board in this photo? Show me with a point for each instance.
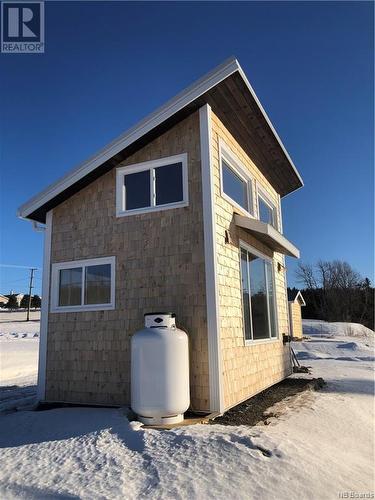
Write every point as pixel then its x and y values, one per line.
pixel 274 239
pixel 301 299
pixel 136 132
pixel 299 295
pixel 151 121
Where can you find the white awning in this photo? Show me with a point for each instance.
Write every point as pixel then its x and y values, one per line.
pixel 268 235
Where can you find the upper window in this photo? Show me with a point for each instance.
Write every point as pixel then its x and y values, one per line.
pixel 258 297
pixel 152 185
pixel 267 211
pixel 83 285
pixel 236 184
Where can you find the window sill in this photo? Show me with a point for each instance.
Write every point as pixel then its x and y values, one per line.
pixel 236 206
pixel 248 343
pixel 86 308
pixel 158 208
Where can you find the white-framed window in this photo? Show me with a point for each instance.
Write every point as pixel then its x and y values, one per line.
pixel 236 183
pixel 83 285
pixel 152 185
pixel 258 296
pixel 267 211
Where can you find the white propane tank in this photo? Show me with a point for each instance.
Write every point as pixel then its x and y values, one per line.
pixel 160 371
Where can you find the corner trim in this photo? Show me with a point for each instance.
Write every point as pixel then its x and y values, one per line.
pixel 42 363
pixel 212 294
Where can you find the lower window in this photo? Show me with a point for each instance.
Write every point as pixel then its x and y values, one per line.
pixel 83 285
pixel 258 297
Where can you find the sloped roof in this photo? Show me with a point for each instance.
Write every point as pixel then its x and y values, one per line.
pixel 230 95
pixel 294 295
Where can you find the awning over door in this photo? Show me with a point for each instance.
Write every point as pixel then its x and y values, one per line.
pixel 268 235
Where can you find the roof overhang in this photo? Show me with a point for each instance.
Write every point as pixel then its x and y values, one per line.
pixel 268 235
pixel 230 95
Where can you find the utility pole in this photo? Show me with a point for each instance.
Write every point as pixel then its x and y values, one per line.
pixel 30 288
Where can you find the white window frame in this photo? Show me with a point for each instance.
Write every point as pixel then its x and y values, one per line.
pixel 150 165
pixel 252 341
pixel 239 169
pixel 55 285
pixel 261 194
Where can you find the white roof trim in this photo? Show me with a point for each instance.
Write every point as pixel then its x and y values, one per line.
pixel 268 235
pixel 171 107
pixel 299 295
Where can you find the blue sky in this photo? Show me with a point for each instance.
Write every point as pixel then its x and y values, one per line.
pixel 107 65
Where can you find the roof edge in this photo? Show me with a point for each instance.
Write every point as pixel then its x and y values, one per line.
pixel 155 118
pixel 263 111
pixel 299 294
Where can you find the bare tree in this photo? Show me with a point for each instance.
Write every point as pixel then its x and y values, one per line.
pixel 305 275
pixel 336 290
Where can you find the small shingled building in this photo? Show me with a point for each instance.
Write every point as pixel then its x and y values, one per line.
pixel 296 301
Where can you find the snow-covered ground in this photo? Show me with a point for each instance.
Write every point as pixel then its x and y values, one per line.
pixel 316 327
pixel 320 446
pixel 19 344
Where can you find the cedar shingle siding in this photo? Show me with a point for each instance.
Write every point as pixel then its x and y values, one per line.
pixel 159 266
pixel 246 369
pixel 296 319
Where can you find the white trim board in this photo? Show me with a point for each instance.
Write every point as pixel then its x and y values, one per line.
pixel 299 295
pixel 151 165
pixel 140 129
pixel 43 334
pixel 159 116
pixel 267 201
pixel 212 293
pixel 57 267
pixel 235 164
pixel 252 250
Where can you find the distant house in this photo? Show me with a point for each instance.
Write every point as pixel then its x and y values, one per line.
pixel 19 297
pixel 296 301
pixel 3 300
pixel 181 213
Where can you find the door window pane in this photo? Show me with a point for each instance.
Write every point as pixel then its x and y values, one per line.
pixel 168 184
pixel 137 190
pixel 98 284
pixel 245 295
pixel 258 284
pixel 234 186
pixel 266 213
pixel 70 287
pixel 271 299
pixel 258 288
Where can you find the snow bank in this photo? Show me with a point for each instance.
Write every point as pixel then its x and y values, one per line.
pixel 326 329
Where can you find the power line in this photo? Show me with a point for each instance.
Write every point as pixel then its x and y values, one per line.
pixel 14 281
pixel 19 267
